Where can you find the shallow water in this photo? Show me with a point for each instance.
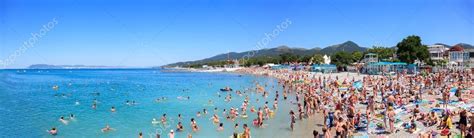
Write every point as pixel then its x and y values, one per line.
pixel 29 106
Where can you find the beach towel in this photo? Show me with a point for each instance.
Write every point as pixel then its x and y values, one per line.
pixel 363 136
pixel 357 85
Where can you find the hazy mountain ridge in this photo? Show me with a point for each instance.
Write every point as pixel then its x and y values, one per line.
pixel 347 46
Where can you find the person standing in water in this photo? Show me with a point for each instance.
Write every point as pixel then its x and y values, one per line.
pixel 163 119
pixel 246 133
pixel 171 134
pixel 292 121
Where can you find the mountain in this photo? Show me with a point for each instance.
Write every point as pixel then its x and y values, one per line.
pixel 347 46
pixel 46 66
pixel 465 46
pixel 446 45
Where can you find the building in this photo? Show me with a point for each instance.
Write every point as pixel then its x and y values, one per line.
pixel 370 58
pixel 471 58
pixel 458 57
pixel 438 52
pixel 385 67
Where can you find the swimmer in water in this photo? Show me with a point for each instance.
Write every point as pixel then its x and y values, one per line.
pixel 179 127
pixel 112 109
pixel 94 106
pixel 53 131
pixel 64 121
pixel 204 111
pixel 194 125
pixel 171 134
pixel 215 119
pixel 198 114
pixel 107 128
pixel 71 116
pixel 179 117
pixel 163 119
pixel 221 127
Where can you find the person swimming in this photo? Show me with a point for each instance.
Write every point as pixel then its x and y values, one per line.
pixel 221 127
pixel 71 116
pixel 107 128
pixel 64 121
pixel 198 114
pixel 53 131
pixel 179 127
pixel 112 109
pixel 179 117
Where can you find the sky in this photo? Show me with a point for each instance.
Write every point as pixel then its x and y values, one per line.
pixel 144 33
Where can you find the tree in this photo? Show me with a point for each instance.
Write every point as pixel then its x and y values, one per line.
pixel 318 59
pixel 342 59
pixel 383 53
pixel 305 59
pixel 288 57
pixel 356 56
pixel 411 49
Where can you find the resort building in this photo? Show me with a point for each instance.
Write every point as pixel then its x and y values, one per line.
pixel 471 58
pixel 458 57
pixel 370 58
pixel 438 52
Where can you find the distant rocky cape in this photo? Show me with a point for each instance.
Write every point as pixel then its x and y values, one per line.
pixel 46 66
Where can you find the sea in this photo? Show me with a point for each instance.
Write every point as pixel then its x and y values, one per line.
pixel 32 102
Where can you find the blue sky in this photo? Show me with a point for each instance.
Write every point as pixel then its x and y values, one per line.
pixel 148 33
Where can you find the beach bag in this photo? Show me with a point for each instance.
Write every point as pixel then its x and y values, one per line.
pixel 445 132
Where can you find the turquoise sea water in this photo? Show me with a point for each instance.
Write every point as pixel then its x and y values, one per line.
pixel 29 105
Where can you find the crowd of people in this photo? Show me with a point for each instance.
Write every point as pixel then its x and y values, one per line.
pixel 423 104
pixel 381 104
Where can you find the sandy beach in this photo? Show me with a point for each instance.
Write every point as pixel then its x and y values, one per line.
pixel 430 102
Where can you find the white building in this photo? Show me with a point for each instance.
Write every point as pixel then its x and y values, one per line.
pixel 471 58
pixel 458 57
pixel 437 52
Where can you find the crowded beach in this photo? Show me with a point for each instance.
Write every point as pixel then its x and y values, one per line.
pixel 338 105
pixel 400 105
